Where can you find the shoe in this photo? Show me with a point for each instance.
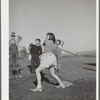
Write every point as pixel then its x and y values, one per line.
pixel 60 86
pixel 36 90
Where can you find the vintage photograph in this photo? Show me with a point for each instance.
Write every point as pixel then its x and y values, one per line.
pixel 52 50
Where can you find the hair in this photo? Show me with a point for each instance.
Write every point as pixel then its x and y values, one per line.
pixel 30 45
pixel 51 37
pixel 38 40
pixel 13 34
pixel 59 41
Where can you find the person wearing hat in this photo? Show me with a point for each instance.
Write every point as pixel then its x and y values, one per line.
pixel 13 51
pixel 16 37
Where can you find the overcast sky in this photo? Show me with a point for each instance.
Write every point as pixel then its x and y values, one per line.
pixel 73 21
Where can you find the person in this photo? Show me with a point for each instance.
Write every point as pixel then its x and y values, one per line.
pixel 13 53
pixel 38 42
pixel 48 60
pixel 35 51
pixel 16 39
pixel 59 44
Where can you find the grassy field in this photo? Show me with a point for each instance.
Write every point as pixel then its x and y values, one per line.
pixel 80 71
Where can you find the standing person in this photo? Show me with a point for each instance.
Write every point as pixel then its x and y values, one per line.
pixel 49 61
pixel 16 39
pixel 35 51
pixel 13 53
pixel 59 45
pixel 38 42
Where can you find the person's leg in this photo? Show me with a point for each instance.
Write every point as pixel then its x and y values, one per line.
pixel 38 76
pixel 37 60
pixel 58 66
pixel 56 77
pixel 17 67
pixel 11 73
pixel 13 63
pixel 32 65
pixel 10 65
pixel 38 63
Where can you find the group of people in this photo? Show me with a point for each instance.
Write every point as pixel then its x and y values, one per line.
pixel 49 58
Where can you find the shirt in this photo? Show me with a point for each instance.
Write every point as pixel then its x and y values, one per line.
pixel 35 50
pixel 17 39
pixel 49 46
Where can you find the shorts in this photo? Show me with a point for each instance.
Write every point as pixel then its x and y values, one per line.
pixel 48 60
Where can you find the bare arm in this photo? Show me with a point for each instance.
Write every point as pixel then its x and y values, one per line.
pixel 29 50
pixel 19 38
pixel 62 43
pixel 44 43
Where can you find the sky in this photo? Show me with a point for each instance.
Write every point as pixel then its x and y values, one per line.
pixel 73 21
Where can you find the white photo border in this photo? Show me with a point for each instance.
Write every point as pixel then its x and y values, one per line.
pixel 5 49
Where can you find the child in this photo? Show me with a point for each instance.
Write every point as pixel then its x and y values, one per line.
pixel 16 39
pixel 59 44
pixel 37 42
pixel 49 61
pixel 35 51
pixel 13 52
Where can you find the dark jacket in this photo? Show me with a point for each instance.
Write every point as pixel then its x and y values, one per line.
pixel 36 50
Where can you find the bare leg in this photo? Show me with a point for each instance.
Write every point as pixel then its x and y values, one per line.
pixel 56 77
pixel 38 76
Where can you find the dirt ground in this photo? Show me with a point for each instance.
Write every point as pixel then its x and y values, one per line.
pixel 80 71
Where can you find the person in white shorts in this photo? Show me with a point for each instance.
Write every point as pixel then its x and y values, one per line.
pixel 48 60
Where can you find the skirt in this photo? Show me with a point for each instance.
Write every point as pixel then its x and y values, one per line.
pixel 48 60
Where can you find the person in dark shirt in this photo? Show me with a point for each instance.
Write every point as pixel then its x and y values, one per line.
pixel 35 51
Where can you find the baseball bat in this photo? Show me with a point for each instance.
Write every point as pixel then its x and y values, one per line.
pixel 69 52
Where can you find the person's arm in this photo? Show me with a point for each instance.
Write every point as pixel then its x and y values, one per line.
pixel 40 52
pixel 9 43
pixel 9 51
pixel 62 43
pixel 19 38
pixel 29 50
pixel 44 43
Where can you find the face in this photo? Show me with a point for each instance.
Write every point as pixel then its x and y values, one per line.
pixel 37 42
pixel 12 41
pixel 57 42
pixel 12 37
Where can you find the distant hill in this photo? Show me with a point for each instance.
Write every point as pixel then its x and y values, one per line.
pixel 81 54
pixel 23 53
pixel 87 52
